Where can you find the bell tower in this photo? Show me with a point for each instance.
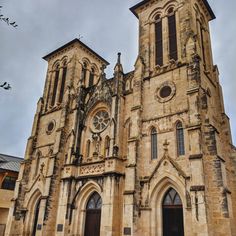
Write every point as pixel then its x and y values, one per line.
pixel 182 103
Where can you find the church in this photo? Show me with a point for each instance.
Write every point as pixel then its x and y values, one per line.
pixel 146 153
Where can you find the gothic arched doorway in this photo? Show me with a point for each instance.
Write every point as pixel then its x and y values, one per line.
pixel 93 215
pixel 172 209
pixel 36 216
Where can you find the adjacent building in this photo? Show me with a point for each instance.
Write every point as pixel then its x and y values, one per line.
pixel 9 169
pixel 148 152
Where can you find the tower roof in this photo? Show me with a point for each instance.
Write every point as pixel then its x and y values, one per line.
pixel 133 9
pixel 75 41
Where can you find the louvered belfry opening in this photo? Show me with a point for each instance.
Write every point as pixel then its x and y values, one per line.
pixel 173 51
pixel 159 42
pixel 63 83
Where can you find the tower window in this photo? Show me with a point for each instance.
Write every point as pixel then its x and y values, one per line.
pixel 153 144
pixel 55 86
pixel 159 41
pixel 63 83
pixel 91 77
pixel 83 73
pixel 180 139
pixel 173 51
pixel 203 47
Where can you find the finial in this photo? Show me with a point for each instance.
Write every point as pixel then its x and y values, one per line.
pixel 118 59
pixel 103 67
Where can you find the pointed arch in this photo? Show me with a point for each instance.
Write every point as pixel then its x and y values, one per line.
pixel 172 214
pixel 158 191
pixel 80 202
pixel 153 143
pixel 107 146
pixel 180 139
pixel 33 207
pixel 173 48
pixel 93 215
pixel 158 41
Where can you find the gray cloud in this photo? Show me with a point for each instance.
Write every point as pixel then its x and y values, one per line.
pixel 107 27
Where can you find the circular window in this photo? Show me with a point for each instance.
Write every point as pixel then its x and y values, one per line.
pixel 100 121
pixel 165 91
pixel 50 127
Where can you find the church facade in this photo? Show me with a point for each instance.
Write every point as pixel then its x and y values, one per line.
pixel 147 152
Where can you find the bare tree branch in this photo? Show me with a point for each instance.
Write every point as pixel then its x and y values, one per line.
pixel 7 20
pixel 5 86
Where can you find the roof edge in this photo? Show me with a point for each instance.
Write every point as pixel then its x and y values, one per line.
pixel 76 40
pixel 132 9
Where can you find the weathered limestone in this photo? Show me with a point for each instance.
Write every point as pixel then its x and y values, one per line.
pixel 99 138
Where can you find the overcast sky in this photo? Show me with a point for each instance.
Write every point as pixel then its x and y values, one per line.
pixel 107 26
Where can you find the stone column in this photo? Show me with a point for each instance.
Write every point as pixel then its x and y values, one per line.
pixel 47 89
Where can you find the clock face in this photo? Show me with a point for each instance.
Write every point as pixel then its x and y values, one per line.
pixel 100 121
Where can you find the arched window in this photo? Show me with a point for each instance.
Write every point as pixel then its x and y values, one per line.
pixel 91 77
pixel 153 144
pixel 88 148
pixel 95 202
pixel 173 50
pixel 54 93
pixel 158 41
pixel 172 214
pixel 93 215
pixel 84 72
pixel 107 146
pixel 63 82
pixel 180 139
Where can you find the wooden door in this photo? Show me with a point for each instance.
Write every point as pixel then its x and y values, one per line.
pixel 36 216
pixel 93 216
pixel 172 214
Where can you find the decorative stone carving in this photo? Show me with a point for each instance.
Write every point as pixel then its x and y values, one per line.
pixel 92 169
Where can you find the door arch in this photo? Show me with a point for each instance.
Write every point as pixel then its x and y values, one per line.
pixel 93 215
pixel 172 213
pixel 36 216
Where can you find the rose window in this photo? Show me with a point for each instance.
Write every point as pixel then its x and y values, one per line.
pixel 101 121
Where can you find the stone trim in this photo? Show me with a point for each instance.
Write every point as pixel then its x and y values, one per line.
pixel 129 192
pixel 197 188
pixel 161 117
pixel 196 156
pixel 136 108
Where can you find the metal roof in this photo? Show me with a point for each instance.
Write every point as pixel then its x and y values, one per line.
pixel 11 163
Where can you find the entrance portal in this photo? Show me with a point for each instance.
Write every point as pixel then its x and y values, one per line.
pixel 36 216
pixel 93 216
pixel 172 214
